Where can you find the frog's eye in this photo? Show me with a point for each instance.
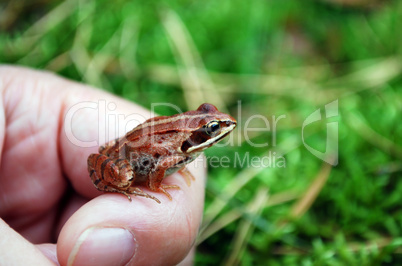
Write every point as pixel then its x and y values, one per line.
pixel 212 128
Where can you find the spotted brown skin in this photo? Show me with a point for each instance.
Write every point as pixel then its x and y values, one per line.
pixel 156 148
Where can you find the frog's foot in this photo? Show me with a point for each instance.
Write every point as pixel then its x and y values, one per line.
pixel 139 192
pixel 110 189
pixel 163 188
pixel 187 175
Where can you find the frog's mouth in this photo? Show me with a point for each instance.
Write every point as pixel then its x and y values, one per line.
pixel 220 138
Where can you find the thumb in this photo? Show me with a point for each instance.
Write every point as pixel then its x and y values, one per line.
pixel 112 230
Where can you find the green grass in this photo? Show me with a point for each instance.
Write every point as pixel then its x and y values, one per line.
pixel 275 58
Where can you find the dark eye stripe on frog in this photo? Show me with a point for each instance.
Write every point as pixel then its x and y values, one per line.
pixel 195 139
pixel 205 134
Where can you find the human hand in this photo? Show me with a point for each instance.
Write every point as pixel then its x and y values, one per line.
pixel 47 195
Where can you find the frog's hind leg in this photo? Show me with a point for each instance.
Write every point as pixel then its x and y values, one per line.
pixel 114 175
pixel 111 175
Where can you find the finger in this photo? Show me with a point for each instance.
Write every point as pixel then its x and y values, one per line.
pixel 50 251
pixel 15 250
pixel 29 171
pixel 90 119
pixel 111 229
pixel 189 259
pixel 37 146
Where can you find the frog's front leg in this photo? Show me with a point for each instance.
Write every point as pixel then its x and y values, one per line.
pixel 159 172
pixel 113 175
pixel 187 175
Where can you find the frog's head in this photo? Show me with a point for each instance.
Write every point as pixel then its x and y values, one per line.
pixel 208 126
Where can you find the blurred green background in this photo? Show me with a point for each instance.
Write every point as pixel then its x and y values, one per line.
pixel 265 58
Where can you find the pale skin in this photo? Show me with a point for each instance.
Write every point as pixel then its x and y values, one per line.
pixel 40 166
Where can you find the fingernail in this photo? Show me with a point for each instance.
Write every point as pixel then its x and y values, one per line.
pixel 103 246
